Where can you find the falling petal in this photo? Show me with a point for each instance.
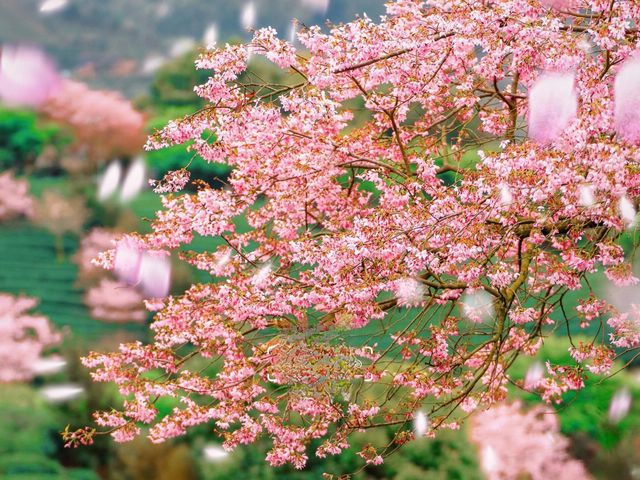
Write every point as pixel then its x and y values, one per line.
pixel 261 276
pixel 248 16
pixel 489 459
pixel 182 46
pixel 553 105
pixel 318 6
pixel 62 392
pixel 478 306
pixel 505 195
pixel 135 180
pixel 293 31
pixel 48 365
pixel 409 292
pixel 627 101
pixel 27 76
pixel 214 453
pixel 420 423
pixel 153 63
pixel 127 262
pixel 155 275
pixel 110 180
pixel 53 6
pixel 210 37
pixel 627 210
pixel 535 373
pixel 619 406
pixel 587 198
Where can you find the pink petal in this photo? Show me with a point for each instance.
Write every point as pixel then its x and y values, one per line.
pixel 135 180
pixel 27 76
pixel 155 275
pixel 127 262
pixel 627 101
pixel 553 105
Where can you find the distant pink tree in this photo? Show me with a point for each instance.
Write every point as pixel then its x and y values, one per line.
pixel 15 201
pixel 107 298
pixel 420 194
pixel 23 337
pixel 113 301
pixel 104 124
pixel 514 443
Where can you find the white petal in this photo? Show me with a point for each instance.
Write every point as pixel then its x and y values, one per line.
pixel 62 392
pixel 248 16
pixel 52 6
pixel 110 180
pixel 135 180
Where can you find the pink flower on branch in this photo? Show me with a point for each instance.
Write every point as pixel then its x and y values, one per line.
pixel 372 243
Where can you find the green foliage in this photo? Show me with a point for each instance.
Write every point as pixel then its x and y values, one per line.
pixel 23 138
pixel 29 439
pixel 586 411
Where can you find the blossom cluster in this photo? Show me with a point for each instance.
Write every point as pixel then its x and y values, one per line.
pixel 23 338
pixel 375 265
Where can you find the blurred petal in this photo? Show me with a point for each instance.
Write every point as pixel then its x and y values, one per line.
pixel 135 180
pixel 619 406
pixel 553 105
pixel 535 373
pixel 248 16
pixel 110 180
pixel 420 423
pixel 127 262
pixel 210 37
pixel 62 392
pixel 318 6
pixel 27 76
pixel 214 453
pixel 627 101
pixel 627 210
pixel 155 275
pixel 52 6
pixel 48 365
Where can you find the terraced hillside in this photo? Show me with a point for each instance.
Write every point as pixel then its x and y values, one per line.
pixel 28 265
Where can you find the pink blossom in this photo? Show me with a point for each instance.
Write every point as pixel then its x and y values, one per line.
pixel 553 105
pixel 364 167
pixel 27 76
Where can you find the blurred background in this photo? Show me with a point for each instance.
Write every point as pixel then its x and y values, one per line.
pixel 82 83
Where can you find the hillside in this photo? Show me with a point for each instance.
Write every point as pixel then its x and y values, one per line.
pixel 115 43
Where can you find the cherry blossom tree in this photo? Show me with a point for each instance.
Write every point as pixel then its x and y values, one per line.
pixel 104 124
pixel 23 338
pixel 107 298
pixel 15 201
pixel 400 263
pixel 523 444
